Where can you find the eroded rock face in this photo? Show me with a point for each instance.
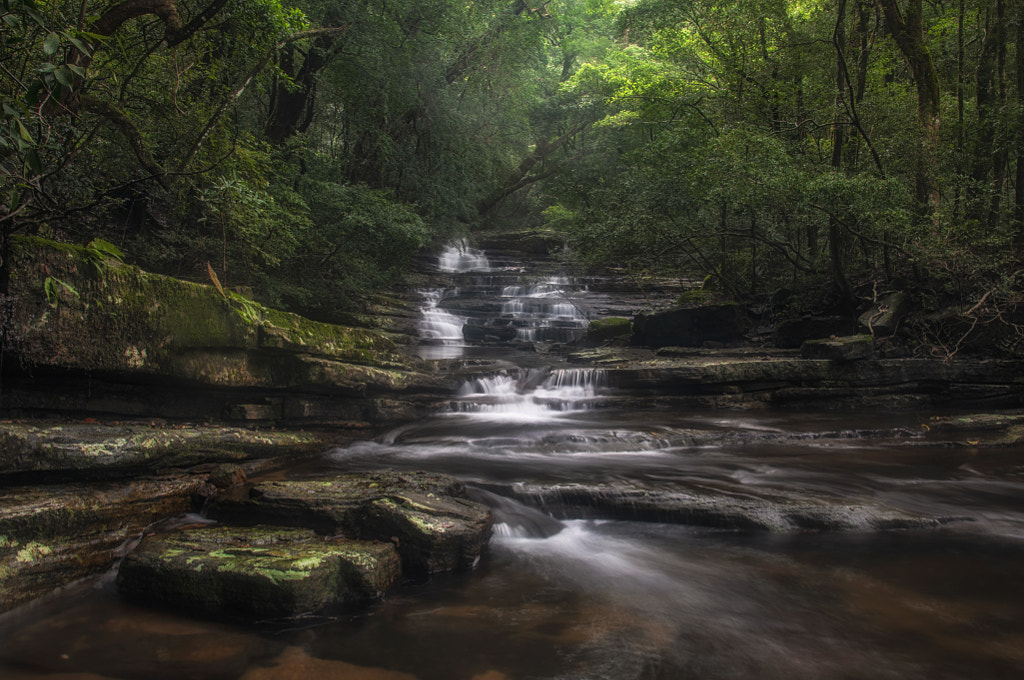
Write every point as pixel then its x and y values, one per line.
pixel 256 572
pixel 690 327
pixel 428 516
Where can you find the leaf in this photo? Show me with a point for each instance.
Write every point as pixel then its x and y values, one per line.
pixel 82 46
pixel 51 44
pixel 33 162
pixel 77 70
pixel 65 77
pixel 24 133
pixel 106 248
pixel 216 281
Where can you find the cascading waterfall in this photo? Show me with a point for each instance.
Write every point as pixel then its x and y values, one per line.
pixel 533 393
pixel 460 257
pixel 489 304
pixel 543 311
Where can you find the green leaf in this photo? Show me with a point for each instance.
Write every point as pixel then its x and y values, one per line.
pixel 77 70
pixel 33 162
pixel 51 44
pixel 82 46
pixel 65 77
pixel 24 133
pixel 106 248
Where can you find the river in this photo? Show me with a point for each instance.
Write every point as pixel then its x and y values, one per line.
pixel 579 583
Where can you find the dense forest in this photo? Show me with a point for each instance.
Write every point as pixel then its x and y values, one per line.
pixel 810 153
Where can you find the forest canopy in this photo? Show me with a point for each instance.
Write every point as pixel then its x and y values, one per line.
pixel 308 150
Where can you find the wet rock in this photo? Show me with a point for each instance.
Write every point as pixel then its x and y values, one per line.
pixel 433 533
pixel 435 526
pixel 256 572
pixel 745 513
pixel 849 348
pixel 53 534
pixel 690 327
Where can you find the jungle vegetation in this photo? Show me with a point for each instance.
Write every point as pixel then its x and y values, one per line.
pixel 306 150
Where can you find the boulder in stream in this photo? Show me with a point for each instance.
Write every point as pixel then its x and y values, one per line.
pixel 256 572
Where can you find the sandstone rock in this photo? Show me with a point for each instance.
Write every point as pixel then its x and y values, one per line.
pixel 126 333
pixel 105 449
pixel 746 513
pixel 256 572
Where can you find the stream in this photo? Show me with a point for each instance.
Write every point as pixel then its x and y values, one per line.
pixel 582 579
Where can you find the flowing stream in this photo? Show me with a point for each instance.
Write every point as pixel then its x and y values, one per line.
pixel 788 545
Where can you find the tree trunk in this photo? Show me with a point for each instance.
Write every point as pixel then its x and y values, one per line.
pixel 907 29
pixel 835 246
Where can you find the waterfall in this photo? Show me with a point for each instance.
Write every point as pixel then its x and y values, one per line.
pixel 459 257
pixel 531 393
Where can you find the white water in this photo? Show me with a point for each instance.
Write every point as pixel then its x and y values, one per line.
pixel 563 390
pixel 460 257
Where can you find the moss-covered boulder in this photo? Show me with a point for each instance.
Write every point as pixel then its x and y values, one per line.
pixel 436 527
pixel 256 572
pixel 116 338
pixel 610 330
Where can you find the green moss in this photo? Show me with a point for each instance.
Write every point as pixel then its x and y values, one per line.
pixel 611 323
pixel 32 552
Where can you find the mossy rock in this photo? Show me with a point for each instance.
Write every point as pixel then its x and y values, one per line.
pixel 52 535
pixel 256 572
pixel 27 447
pixel 109 316
pixel 437 528
pixel 613 329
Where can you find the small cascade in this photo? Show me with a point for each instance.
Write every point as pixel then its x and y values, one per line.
pixel 460 257
pixel 489 303
pixel 543 311
pixel 532 393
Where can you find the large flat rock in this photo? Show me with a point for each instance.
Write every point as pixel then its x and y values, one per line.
pixel 99 448
pixel 722 510
pixel 428 516
pixel 256 572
